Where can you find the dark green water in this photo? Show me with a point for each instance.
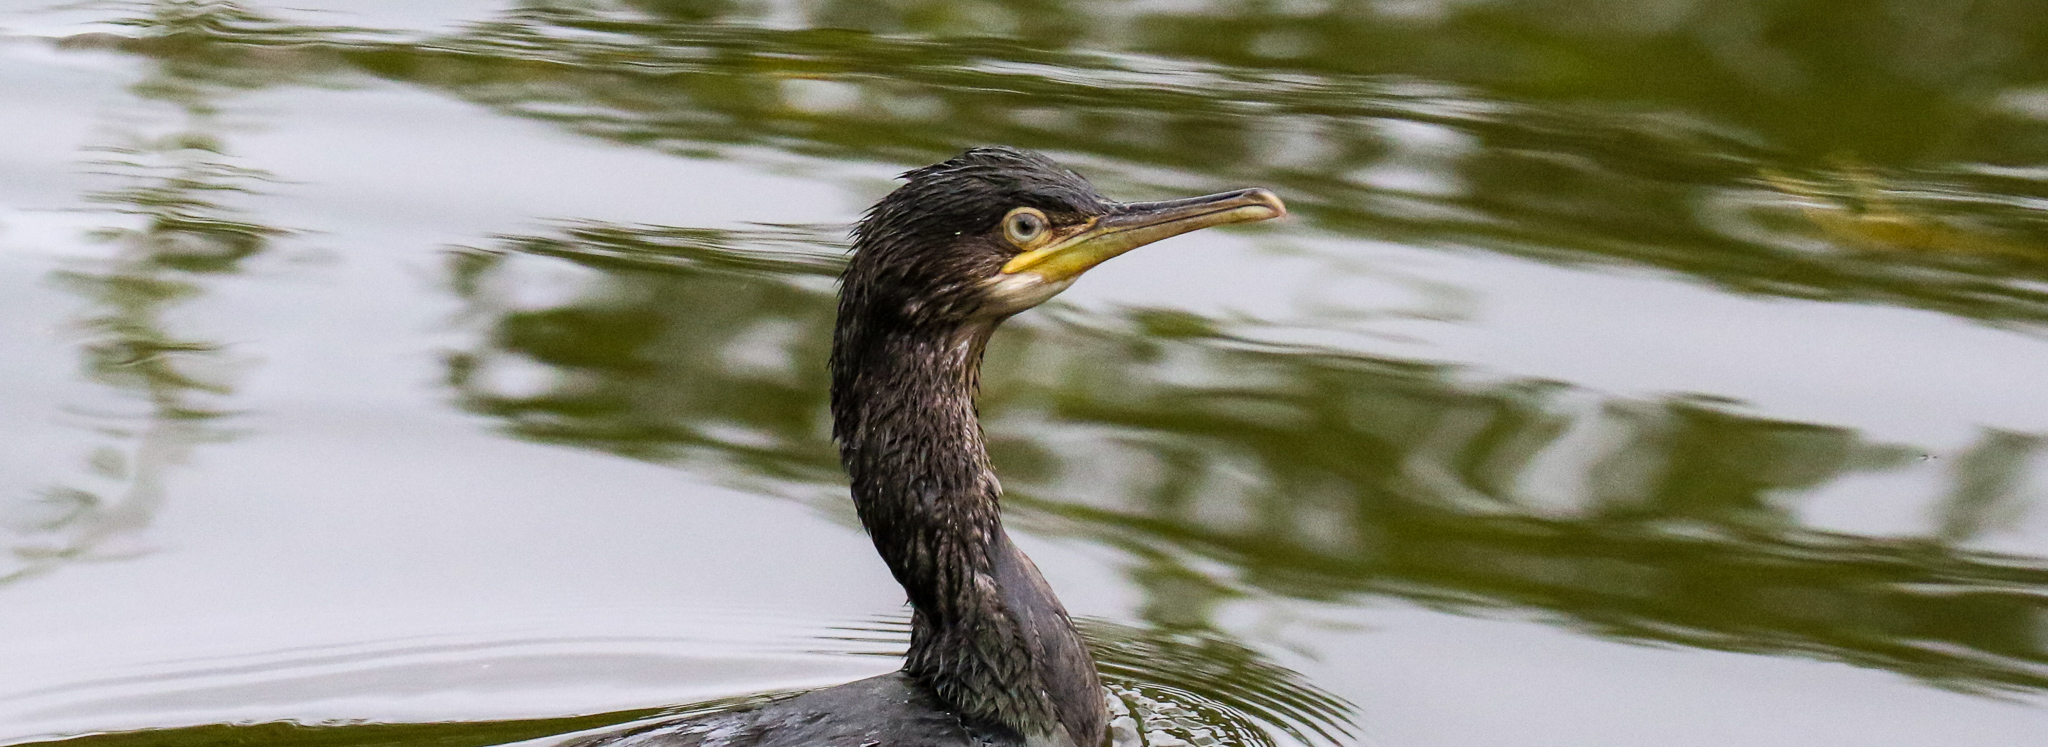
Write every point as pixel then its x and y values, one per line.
pixel 1630 372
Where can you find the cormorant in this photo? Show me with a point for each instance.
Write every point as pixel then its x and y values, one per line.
pixel 937 264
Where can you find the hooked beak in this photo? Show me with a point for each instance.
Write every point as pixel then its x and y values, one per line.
pixel 1136 224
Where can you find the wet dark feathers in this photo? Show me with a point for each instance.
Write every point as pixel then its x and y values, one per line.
pixel 968 194
pixel 989 638
pixel 922 252
pixel 994 659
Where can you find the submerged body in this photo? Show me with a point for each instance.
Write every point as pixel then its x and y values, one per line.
pixel 891 710
pixel 937 265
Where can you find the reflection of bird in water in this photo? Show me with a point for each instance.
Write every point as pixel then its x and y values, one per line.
pixel 937 265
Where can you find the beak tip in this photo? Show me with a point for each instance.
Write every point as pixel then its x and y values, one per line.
pixel 1269 200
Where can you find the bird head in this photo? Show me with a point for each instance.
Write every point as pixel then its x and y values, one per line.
pixel 995 231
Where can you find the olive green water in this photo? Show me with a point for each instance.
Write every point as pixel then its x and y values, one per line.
pixel 1630 372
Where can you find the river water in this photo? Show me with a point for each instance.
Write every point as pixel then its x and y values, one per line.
pixel 1666 372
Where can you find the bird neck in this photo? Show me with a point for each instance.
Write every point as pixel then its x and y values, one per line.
pixel 987 633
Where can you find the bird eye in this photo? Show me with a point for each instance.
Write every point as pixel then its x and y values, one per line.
pixel 1023 226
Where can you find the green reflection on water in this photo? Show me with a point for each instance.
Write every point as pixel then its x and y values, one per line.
pixel 1362 139
pixel 1679 528
pixel 1813 150
pixel 469 734
pixel 1365 475
pixel 170 232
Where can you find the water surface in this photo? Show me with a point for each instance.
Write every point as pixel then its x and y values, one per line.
pixel 1629 372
